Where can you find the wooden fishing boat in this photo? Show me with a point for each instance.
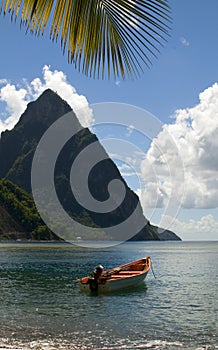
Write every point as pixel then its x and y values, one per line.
pixel 120 277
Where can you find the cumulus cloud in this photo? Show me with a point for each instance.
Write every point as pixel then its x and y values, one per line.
pixel 206 226
pixel 181 165
pixel 16 98
pixel 3 81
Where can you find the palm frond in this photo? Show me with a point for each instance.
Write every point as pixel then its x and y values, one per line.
pixel 120 35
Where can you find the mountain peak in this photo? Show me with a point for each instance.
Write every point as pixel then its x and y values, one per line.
pixel 48 107
pixel 20 145
pixel 50 95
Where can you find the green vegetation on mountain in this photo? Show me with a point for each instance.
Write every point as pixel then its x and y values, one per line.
pixel 19 218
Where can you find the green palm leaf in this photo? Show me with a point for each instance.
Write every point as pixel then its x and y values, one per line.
pixel 101 36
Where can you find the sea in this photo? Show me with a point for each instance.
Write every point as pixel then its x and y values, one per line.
pixel 41 306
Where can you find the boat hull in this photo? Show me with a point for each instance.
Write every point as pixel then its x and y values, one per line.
pixel 114 285
pixel 122 277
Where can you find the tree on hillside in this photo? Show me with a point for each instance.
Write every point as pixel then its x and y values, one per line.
pixel 101 37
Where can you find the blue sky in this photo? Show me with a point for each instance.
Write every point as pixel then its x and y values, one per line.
pixel 179 90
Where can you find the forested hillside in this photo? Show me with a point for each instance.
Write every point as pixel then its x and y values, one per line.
pixel 19 218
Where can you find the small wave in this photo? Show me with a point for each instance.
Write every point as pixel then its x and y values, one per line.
pixel 9 348
pixel 208 347
pixel 122 344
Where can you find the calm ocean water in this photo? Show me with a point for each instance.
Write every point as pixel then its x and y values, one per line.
pixel 41 306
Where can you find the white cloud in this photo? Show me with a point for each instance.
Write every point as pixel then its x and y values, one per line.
pixel 203 228
pixel 16 98
pixel 3 81
pixel 184 41
pixel 182 162
pixel 130 129
pixel 127 170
